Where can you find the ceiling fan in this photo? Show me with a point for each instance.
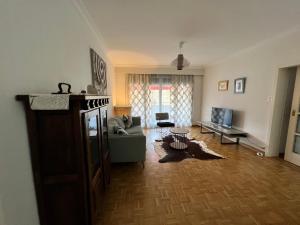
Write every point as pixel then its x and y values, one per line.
pixel 180 62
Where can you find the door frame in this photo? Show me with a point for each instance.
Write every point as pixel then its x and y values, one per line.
pixel 290 155
pixel 276 133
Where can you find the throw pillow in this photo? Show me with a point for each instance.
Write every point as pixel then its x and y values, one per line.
pixel 128 121
pixel 125 118
pixel 120 121
pixel 111 124
pixel 115 129
pixel 120 130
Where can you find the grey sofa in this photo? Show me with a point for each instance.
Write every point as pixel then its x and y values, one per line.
pixel 126 148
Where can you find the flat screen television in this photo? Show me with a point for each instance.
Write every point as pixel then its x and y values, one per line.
pixel 222 116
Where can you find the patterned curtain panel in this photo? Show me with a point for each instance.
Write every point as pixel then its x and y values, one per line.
pixel 151 93
pixel 139 97
pixel 182 100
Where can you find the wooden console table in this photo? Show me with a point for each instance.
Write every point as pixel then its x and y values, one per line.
pixel 120 110
pixel 224 132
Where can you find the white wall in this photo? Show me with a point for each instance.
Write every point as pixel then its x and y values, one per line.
pixel 42 43
pixel 121 93
pixel 260 64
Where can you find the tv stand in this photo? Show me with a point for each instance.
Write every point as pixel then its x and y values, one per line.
pixel 223 131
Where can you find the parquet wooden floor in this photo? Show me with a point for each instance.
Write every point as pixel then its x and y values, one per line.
pixel 241 189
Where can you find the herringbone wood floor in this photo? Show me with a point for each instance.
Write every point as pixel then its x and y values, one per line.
pixel 242 189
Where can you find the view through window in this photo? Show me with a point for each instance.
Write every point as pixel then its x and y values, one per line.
pixel 160 95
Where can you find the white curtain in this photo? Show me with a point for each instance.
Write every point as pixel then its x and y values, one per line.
pixel 182 99
pixel 144 89
pixel 139 97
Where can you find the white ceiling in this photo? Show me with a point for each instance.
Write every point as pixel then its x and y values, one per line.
pixel 147 32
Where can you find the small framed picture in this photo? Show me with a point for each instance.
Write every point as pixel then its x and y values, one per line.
pixel 223 85
pixel 239 85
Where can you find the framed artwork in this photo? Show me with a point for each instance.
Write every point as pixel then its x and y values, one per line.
pixel 239 85
pixel 223 85
pixel 98 67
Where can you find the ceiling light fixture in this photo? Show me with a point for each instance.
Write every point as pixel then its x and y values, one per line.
pixel 180 62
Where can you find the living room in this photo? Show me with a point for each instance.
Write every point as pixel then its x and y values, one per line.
pixel 242 57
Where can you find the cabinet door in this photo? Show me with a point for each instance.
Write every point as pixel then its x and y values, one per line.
pixel 94 161
pixel 105 150
pixel 56 169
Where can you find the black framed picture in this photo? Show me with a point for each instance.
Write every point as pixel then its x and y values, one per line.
pixel 239 85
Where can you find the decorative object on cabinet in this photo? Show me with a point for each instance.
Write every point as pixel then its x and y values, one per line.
pixel 223 85
pixel 91 90
pixel 239 85
pixel 61 90
pixel 98 73
pixel 70 159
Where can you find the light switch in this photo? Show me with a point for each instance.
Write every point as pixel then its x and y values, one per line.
pixel 269 99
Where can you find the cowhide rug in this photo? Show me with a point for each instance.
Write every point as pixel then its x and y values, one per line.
pixel 195 149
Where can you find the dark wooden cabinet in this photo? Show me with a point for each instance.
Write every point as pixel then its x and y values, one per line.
pixel 70 159
pixel 105 151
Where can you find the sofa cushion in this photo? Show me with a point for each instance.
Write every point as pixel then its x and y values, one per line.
pixel 120 130
pixel 115 121
pixel 120 121
pixel 136 121
pixel 135 130
pixel 127 121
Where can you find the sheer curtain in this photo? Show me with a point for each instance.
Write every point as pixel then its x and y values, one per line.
pixel 139 97
pixel 182 99
pixel 152 93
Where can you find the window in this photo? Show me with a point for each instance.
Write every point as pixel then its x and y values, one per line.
pixel 150 94
pixel 160 98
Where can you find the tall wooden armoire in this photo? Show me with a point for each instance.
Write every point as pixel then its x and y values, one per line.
pixel 70 159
